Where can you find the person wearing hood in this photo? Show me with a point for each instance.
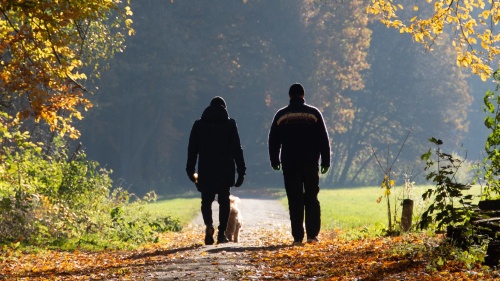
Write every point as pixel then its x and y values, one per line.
pixel 297 139
pixel 214 143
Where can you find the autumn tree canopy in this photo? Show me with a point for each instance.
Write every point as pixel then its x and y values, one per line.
pixel 472 23
pixel 48 50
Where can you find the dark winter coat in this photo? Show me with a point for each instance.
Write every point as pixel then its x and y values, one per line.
pixel 298 131
pixel 215 143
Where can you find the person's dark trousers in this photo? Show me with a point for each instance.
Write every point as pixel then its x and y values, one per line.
pixel 302 188
pixel 206 208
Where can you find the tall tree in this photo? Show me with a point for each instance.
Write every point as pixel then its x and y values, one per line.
pixel 186 52
pixel 45 48
pixel 341 38
pixel 248 56
pixel 424 93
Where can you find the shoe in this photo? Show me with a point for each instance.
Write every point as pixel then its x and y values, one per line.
pixel 298 243
pixel 222 239
pixel 209 235
pixel 313 240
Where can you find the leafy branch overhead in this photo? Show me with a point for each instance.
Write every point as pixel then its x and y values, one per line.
pixel 45 47
pixel 472 22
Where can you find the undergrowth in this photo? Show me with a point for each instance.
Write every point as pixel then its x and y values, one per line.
pixel 58 201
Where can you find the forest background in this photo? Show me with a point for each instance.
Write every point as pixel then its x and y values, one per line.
pixel 372 84
pixel 140 75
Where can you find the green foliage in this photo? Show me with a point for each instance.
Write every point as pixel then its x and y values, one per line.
pixel 56 200
pixel 131 223
pixel 449 206
pixel 491 162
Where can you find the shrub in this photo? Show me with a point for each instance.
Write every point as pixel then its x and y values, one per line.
pixel 53 200
pixel 449 206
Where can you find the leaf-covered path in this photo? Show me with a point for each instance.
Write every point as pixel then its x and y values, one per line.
pixel 264 253
pixel 265 222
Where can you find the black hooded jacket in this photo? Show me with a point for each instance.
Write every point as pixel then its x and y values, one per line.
pixel 215 141
pixel 298 131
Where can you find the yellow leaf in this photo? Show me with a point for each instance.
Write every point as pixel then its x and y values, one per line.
pixel 485 14
pixel 415 8
pixel 419 37
pixel 484 76
pixel 128 11
pixel 128 23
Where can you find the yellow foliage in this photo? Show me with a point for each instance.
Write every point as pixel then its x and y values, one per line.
pixel 42 54
pixel 387 192
pixel 459 15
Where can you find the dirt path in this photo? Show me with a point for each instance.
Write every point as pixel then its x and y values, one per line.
pixel 263 218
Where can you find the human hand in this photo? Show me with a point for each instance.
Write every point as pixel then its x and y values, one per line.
pixel 324 170
pixel 193 176
pixel 276 168
pixel 239 181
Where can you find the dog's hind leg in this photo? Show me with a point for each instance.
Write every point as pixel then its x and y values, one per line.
pixel 229 232
pixel 237 232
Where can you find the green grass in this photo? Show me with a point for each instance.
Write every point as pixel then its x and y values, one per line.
pixel 355 208
pixel 184 209
pixel 344 208
pixel 351 208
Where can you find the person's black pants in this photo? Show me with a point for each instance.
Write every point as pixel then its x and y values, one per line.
pixel 302 188
pixel 206 208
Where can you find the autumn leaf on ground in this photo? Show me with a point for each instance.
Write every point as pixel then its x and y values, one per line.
pixel 406 257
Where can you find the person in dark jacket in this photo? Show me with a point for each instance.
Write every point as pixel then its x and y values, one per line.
pixel 215 143
pixel 297 139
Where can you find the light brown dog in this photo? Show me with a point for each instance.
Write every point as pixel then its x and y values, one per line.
pixel 235 220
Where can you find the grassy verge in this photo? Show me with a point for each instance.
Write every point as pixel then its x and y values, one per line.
pixel 357 208
pixel 184 209
pixel 351 208
pixel 343 208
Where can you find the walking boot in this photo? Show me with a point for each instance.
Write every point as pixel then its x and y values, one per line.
pixel 221 238
pixel 209 235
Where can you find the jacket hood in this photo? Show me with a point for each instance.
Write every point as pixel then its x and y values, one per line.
pixel 214 113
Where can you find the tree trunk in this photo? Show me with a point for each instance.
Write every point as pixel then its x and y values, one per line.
pixel 407 215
